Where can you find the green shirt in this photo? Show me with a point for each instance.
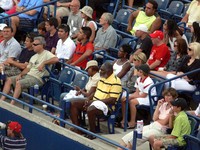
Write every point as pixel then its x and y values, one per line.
pixel 181 127
pixel 142 18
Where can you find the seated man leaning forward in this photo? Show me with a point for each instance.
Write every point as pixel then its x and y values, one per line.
pixel 25 19
pixel 34 72
pixel 107 92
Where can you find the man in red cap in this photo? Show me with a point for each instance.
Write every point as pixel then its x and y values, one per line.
pixel 14 138
pixel 160 53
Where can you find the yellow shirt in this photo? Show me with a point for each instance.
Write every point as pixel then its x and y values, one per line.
pixel 193 12
pixel 142 18
pixel 106 88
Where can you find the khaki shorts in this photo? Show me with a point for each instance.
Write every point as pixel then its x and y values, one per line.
pixel 61 11
pixel 167 141
pixel 26 81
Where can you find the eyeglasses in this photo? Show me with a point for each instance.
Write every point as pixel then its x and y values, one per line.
pixel 36 44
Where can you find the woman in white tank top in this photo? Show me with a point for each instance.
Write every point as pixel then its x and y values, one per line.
pixel 122 65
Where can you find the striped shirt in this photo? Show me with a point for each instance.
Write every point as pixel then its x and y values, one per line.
pixel 106 88
pixel 7 143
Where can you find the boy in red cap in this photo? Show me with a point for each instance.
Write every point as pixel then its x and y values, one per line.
pixel 14 138
pixel 160 53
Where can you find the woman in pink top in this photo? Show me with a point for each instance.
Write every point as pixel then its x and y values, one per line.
pixel 160 118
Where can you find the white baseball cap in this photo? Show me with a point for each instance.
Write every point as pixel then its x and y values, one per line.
pixel 142 27
pixel 2 25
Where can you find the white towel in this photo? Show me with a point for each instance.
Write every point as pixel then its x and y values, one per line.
pixel 101 106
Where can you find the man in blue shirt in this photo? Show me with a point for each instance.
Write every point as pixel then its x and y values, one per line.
pixel 25 18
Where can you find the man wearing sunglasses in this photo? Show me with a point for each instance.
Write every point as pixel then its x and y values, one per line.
pixel 34 71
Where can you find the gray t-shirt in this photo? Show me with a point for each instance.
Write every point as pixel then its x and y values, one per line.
pixel 74 22
pixel 106 39
pixel 11 48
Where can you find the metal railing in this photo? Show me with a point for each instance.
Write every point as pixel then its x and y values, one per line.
pixel 45 4
pixel 169 80
pixel 60 119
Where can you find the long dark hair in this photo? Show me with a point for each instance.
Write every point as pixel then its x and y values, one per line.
pixel 196 34
pixel 172 28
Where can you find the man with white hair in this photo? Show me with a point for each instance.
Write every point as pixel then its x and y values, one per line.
pixel 144 43
pixel 106 36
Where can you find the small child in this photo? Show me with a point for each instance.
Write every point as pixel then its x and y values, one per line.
pixel 180 124
pixel 140 96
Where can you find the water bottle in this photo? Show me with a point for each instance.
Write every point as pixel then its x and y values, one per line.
pixel 2 76
pixel 139 129
pixel 2 125
pixel 36 89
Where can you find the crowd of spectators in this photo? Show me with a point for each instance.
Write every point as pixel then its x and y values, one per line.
pixel 162 49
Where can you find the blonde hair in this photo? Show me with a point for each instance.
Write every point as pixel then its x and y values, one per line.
pixel 140 56
pixel 195 46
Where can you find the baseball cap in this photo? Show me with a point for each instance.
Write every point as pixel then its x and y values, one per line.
pixel 2 25
pixel 15 126
pixel 91 63
pixel 144 67
pixel 157 34
pixel 179 102
pixel 142 27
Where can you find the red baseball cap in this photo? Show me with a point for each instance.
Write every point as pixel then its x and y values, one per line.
pixel 157 34
pixel 15 126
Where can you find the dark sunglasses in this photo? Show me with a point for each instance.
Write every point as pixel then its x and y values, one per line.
pixel 175 45
pixel 36 44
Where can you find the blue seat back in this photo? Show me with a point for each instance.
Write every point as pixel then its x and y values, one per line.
pixel 193 142
pixel 176 7
pixel 66 75
pixel 185 9
pixel 80 80
pixel 162 4
pixel 194 125
pixel 123 15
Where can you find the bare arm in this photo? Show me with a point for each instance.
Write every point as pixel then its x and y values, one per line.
pixel 16 63
pixel 24 72
pixel 155 64
pixel 157 112
pixel 124 70
pixel 156 25
pixel 91 92
pixel 63 4
pixel 92 27
pixel 131 18
pixel 48 62
pixel 185 18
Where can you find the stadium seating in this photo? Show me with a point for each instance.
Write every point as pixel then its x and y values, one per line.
pixel 175 7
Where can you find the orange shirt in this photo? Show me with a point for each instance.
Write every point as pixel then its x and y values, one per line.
pixel 80 50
